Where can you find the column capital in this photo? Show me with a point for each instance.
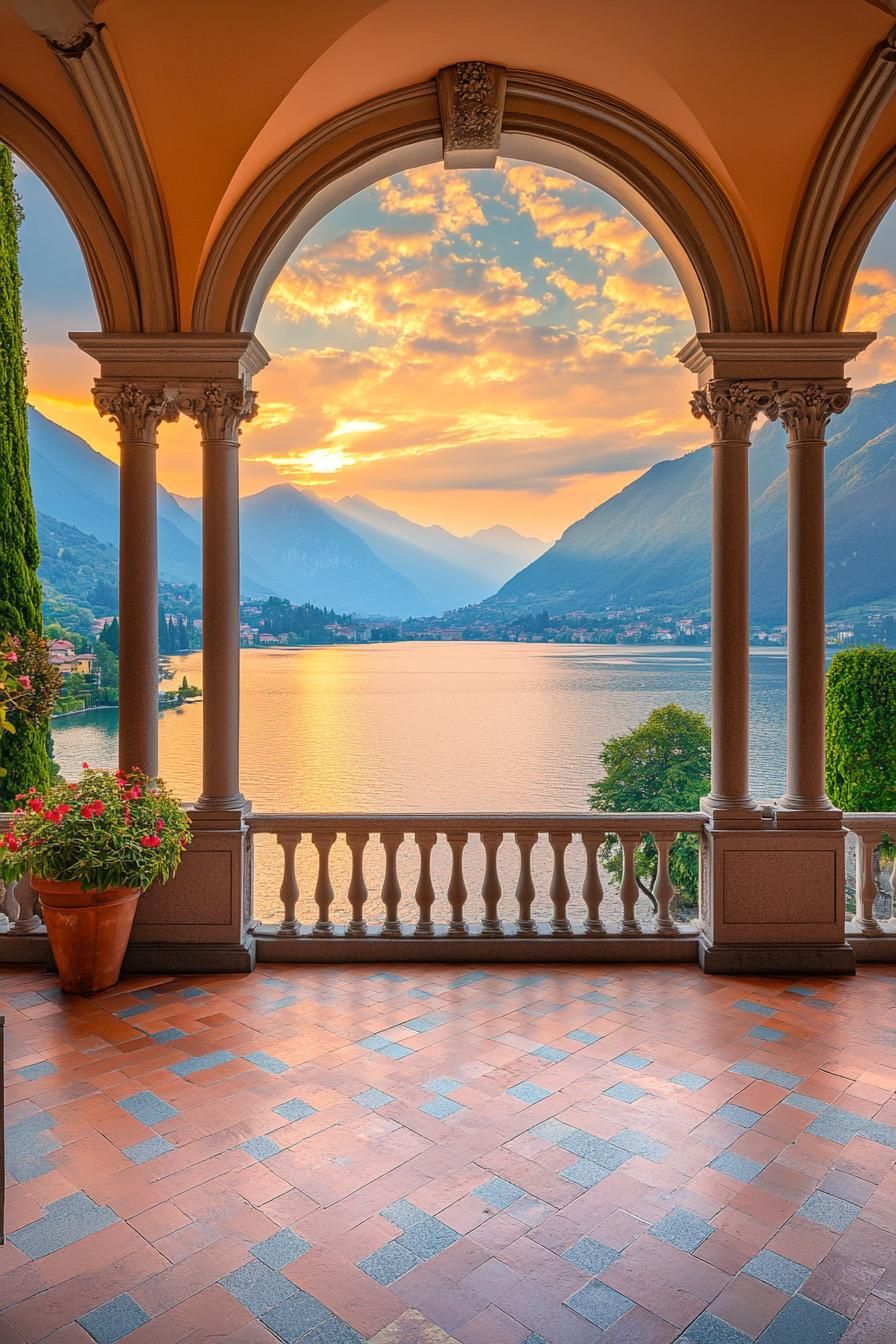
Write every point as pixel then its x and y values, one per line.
pixel 731 407
pixel 137 408
pixel 805 409
pixel 218 409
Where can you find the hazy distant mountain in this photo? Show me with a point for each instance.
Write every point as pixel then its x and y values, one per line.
pixel 649 545
pixel 449 571
pixel 314 558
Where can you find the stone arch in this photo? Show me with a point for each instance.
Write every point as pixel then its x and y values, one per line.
pixel 108 262
pixel 545 119
pixel 849 241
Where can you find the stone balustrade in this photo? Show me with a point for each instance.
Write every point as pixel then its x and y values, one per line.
pixel 869 830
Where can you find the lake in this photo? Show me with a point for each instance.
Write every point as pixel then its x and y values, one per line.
pixel 434 727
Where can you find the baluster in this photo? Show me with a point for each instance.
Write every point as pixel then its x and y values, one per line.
pixel 290 927
pixel 391 893
pixel 560 842
pixel 357 887
pixel 9 906
pixel 628 889
pixel 29 920
pixel 457 887
pixel 491 886
pixel 893 878
pixel 323 890
pixel 866 887
pixel 663 890
pixel 425 894
pixel 592 887
pixel 525 887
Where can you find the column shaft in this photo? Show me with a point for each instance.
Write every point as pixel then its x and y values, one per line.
pixel 220 624
pixel 138 609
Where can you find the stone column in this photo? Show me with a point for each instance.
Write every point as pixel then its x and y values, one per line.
pixel 137 411
pixel 805 411
pixel 731 408
pixel 219 410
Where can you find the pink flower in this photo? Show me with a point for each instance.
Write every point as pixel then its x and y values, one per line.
pixel 160 825
pixel 12 656
pixel 24 682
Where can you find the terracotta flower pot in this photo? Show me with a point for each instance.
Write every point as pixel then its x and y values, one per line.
pixel 88 932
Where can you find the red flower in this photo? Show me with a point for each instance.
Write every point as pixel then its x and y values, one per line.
pixel 134 792
pixel 36 804
pixel 150 841
pixel 63 808
pixel 87 812
pixel 84 765
pixel 160 825
pixel 91 810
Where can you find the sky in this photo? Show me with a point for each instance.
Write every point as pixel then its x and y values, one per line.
pixel 467 348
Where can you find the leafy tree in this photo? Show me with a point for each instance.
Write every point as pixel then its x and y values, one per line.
pixel 24 755
pixel 660 766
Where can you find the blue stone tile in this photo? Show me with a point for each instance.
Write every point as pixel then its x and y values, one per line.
pixel 389 976
pixel 257 1287
pixel 757 1009
pixel 625 1092
pixel 286 1002
pixel 709 1329
pixel 28 1143
pixel 535 1339
pixel 550 1053
pixel 747 1069
pixel 837 1124
pixel 804 1103
pixel 692 1081
pixel 376 1042
pixel 442 1085
pixel 600 1304
pixel 267 1062
pixel 372 1098
pixel 198 1064
pixel 683 1229
pixel 295 1318
pixel 403 1214
pixel 522 981
pixel 555 1131
pixel 147 1150
pixel 418 994
pixel 583 1037
pixel 333 1331
pixel 776 1270
pixel 427 1023
pixel 766 1034
pixel 629 1060
pixel 604 1153
pixel 732 1164
pixel 296 1109
pixel 427 1238
pixel 542 1009
pixel 134 1011
pixel 281 1249
pixel 147 1108
pixel 261 1148
pixel 64 1222
pixel 113 1320
pixel 596 997
pixel 528 1092
pixel 394 1051
pixel 499 1194
pixel 441 1107
pixel 469 978
pixel 800 989
pixel 29 999
pixel 585 1173
pixel 166 1036
pixel 738 1115
pixel 633 1141
pixel 802 1319
pixel 829 1211
pixel 591 1255
pixel 389 1263
pixel 194 992
pixel 32 1071
pixel 879 1133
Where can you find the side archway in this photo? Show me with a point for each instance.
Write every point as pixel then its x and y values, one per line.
pixel 849 241
pixel 546 120
pixel 106 256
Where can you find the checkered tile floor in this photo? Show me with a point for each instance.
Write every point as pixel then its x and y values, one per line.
pixel 504 1156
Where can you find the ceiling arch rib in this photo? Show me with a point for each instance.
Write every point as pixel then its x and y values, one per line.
pixel 849 241
pixel 106 256
pixel 545 118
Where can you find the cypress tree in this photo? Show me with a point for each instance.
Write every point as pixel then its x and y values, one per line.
pixel 24 755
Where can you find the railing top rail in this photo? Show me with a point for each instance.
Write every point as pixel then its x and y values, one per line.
pixel 869 819
pixel 476 823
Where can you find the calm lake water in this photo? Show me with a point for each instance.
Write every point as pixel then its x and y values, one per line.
pixel 434 728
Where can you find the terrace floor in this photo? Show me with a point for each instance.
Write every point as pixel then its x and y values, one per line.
pixel 489 1156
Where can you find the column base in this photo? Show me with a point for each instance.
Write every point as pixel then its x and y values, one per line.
pixel 190 958
pixel 799 816
pixel 742 814
pixel 772 959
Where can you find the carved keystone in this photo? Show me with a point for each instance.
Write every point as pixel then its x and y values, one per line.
pixel 471 105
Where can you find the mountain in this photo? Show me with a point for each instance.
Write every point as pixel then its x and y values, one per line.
pixel 315 558
pixel 449 571
pixel 649 545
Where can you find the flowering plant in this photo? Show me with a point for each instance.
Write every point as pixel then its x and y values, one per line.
pixel 109 829
pixel 29 683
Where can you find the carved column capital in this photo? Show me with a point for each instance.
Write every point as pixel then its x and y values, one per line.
pixel 218 410
pixel 805 411
pixel 731 407
pixel 137 410
pixel 471 105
